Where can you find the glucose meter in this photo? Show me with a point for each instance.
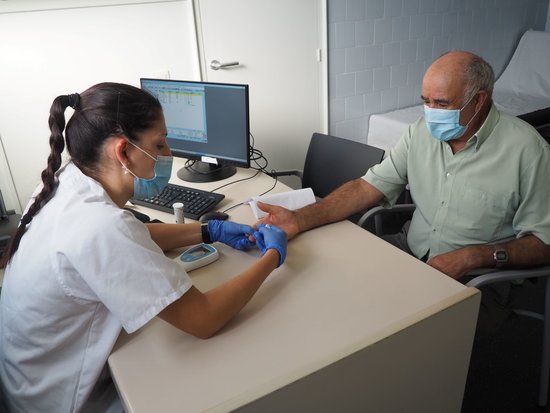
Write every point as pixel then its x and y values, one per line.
pixel 197 256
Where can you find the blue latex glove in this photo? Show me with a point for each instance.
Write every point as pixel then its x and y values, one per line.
pixel 271 237
pixel 230 233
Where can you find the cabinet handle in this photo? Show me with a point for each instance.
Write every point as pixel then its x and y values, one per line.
pixel 215 64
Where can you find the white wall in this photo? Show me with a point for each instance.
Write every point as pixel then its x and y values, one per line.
pixel 48 53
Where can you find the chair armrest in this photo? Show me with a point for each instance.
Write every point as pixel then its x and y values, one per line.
pixel 377 212
pixel 507 275
pixel 296 172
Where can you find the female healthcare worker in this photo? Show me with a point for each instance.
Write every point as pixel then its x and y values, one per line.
pixel 80 268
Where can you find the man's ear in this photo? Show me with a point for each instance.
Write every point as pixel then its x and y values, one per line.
pixel 482 97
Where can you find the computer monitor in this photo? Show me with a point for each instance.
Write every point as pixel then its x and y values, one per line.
pixel 206 122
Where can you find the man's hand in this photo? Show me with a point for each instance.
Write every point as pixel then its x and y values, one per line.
pixel 456 263
pixel 281 217
pixel 350 198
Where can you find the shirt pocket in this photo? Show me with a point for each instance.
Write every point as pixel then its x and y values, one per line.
pixel 480 216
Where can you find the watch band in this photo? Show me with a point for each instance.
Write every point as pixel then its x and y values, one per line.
pixel 500 255
pixel 205 233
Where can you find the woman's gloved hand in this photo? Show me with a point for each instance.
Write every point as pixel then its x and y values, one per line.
pixel 271 237
pixel 230 233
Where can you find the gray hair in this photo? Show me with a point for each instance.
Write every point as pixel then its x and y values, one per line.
pixel 478 76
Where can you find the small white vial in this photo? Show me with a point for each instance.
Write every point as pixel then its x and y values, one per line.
pixel 178 212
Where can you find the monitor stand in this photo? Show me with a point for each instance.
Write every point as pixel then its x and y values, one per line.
pixel 205 172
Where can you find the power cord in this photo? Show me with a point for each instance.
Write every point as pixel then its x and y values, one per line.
pixel 256 156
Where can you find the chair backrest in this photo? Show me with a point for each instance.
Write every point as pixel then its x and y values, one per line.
pixel 332 161
pixel 3 211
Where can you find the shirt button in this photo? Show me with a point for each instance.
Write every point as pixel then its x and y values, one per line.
pixel 448 174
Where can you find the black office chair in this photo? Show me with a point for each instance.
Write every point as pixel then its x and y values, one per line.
pixel 332 161
pixel 9 221
pixel 383 221
pixel 532 273
pixel 375 218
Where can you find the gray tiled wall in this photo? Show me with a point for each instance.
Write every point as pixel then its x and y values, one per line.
pixel 379 49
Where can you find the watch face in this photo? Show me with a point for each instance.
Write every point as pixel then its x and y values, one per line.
pixel 501 255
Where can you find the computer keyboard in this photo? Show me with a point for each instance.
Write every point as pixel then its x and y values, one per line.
pixel 195 201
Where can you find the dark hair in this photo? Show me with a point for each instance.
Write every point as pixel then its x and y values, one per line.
pixel 102 111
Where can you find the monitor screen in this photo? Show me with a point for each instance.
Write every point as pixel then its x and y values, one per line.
pixel 206 122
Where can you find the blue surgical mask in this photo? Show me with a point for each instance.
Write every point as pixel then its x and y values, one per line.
pixel 149 188
pixel 444 124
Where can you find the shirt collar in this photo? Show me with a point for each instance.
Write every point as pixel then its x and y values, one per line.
pixel 487 128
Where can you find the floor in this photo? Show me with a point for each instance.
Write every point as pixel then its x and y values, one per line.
pixel 504 370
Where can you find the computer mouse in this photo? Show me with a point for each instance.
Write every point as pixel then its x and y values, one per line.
pixel 213 215
pixel 139 215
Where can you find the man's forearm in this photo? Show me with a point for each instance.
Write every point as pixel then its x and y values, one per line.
pixel 348 199
pixel 525 252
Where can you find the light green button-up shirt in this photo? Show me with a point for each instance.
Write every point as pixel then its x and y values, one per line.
pixel 494 190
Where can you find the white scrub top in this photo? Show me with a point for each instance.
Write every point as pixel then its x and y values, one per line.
pixel 84 269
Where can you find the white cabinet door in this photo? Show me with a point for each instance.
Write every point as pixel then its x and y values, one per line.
pixel 6 183
pixel 281 49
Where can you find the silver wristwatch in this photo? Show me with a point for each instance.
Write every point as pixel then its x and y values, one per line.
pixel 501 256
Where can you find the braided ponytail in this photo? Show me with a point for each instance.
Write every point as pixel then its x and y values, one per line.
pixel 49 181
pixel 102 111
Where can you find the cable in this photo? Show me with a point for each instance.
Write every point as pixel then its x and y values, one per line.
pixel 275 180
pixel 256 156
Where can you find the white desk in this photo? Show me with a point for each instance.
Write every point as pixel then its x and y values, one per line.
pixel 348 323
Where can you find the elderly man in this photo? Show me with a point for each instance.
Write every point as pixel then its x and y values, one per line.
pixel 478 178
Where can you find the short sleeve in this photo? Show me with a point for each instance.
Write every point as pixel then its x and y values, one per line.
pixel 390 176
pixel 532 216
pixel 120 265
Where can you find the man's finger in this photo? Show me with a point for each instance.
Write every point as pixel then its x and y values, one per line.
pixel 265 207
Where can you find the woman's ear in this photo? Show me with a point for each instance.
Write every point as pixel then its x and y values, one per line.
pixel 120 145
